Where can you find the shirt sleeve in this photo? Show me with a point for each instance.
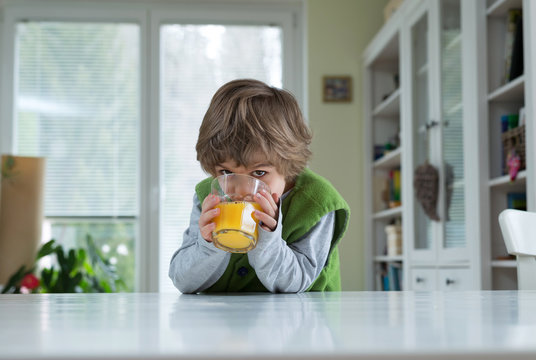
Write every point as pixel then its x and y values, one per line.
pixel 198 264
pixel 292 268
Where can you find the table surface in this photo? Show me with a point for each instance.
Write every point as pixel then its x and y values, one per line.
pixel 346 325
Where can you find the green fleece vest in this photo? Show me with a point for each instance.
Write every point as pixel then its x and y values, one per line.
pixel 310 199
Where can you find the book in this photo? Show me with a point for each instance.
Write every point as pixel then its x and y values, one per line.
pixel 516 64
pixel 394 278
pixel 516 201
pixel 395 188
pixel 511 23
pixel 385 279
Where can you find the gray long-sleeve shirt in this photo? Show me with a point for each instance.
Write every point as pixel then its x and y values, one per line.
pixel 281 267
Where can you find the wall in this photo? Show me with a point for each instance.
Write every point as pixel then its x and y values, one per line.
pixel 338 32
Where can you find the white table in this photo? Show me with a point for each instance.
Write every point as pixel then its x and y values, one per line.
pixel 347 325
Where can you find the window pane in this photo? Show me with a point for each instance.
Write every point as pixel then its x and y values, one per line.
pixel 452 113
pixel 195 61
pixel 115 240
pixel 77 104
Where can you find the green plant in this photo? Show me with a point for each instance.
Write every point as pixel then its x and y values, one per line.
pixel 76 270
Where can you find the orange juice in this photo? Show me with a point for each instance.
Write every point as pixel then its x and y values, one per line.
pixel 236 227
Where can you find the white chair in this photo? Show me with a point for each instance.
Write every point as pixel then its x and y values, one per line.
pixel 519 233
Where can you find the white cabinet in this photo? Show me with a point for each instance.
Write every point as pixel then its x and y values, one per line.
pixel 433 83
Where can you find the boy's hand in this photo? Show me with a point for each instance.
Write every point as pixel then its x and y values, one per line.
pixel 269 204
pixel 208 212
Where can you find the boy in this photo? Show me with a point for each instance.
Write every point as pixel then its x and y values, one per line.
pixel 254 129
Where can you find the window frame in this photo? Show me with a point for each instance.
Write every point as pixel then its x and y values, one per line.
pixel 149 15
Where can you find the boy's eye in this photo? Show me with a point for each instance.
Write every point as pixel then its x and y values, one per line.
pixel 259 173
pixel 225 172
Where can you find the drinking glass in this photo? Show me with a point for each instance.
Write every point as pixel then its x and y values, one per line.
pixel 236 225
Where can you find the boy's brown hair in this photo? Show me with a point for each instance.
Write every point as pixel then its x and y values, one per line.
pixel 247 117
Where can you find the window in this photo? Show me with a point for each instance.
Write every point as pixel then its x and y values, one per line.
pixel 77 90
pixel 113 98
pixel 196 60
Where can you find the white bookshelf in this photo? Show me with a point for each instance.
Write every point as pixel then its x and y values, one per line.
pixel 505 97
pixel 383 98
pixel 480 254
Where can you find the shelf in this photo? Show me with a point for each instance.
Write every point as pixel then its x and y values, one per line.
pixel 504 264
pixel 385 258
pixel 503 182
pixel 389 161
pixel 514 91
pixel 390 107
pixel 388 213
pixel 500 7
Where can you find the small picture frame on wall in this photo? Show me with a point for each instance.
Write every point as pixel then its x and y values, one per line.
pixel 337 88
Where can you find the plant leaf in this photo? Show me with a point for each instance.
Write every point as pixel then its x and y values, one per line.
pixel 46 249
pixel 14 281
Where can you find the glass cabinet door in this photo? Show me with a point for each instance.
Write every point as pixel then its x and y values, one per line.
pixel 437 132
pixel 452 199
pixel 423 144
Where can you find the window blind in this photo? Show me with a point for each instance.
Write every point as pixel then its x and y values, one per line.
pixel 77 104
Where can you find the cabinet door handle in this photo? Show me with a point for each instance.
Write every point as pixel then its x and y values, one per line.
pixel 449 281
pixel 419 279
pixel 430 124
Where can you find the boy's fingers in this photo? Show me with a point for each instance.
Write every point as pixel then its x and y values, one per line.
pixel 207 217
pixel 268 222
pixel 208 212
pixel 267 203
pixel 275 197
pixel 206 231
pixel 209 202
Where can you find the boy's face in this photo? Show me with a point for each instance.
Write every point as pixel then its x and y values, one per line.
pixel 261 170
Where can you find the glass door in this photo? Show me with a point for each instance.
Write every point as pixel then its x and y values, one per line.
pixel 423 140
pixel 452 199
pixel 438 145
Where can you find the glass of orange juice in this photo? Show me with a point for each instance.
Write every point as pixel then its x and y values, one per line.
pixel 236 226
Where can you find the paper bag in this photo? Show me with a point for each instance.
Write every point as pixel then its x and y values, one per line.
pixel 21 212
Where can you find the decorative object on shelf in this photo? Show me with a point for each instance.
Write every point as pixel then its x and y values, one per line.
pixel 79 270
pixel 379 151
pixel 388 147
pixel 396 83
pixel 394 239
pixel 391 7
pixel 337 89
pixel 21 211
pixel 513 161
pixel 514 146
pixel 391 144
pixel 426 186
